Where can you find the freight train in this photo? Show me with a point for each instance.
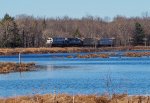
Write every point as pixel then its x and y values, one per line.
pixel 78 42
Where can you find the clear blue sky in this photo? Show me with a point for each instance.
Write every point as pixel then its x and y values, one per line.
pixel 74 8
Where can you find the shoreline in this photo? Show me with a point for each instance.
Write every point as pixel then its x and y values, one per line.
pixel 15 51
pixel 92 51
pixel 42 50
pixel 66 98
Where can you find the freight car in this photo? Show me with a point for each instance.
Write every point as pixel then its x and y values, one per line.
pixel 90 42
pixel 74 42
pixel 106 42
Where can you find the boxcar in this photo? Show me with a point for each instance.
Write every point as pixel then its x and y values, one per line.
pixel 74 42
pixel 106 42
pixel 90 42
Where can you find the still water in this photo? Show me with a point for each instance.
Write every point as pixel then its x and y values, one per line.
pixel 59 74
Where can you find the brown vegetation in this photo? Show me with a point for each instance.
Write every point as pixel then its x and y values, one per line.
pixel 136 54
pixel 12 51
pixel 44 50
pixel 93 56
pixel 16 67
pixel 63 98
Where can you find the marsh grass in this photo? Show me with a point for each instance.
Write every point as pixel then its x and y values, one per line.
pixel 9 51
pixel 137 54
pixel 13 51
pixel 16 67
pixel 65 98
pixel 93 56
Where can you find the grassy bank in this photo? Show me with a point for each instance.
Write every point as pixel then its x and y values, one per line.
pixel 63 98
pixel 16 67
pixel 12 51
pixel 9 51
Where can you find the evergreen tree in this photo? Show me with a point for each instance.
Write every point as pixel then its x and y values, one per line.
pixel 10 37
pixel 77 33
pixel 7 18
pixel 16 40
pixel 138 34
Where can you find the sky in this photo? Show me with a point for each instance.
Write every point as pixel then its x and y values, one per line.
pixel 75 8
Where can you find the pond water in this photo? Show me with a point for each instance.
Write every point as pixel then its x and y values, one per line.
pixel 59 74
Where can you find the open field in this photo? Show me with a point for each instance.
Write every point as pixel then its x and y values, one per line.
pixel 15 67
pixel 64 98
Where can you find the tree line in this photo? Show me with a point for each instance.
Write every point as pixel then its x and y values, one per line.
pixel 28 31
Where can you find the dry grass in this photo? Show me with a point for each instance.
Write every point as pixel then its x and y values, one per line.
pixel 93 56
pixel 6 51
pixel 16 67
pixel 12 51
pixel 64 98
pixel 136 54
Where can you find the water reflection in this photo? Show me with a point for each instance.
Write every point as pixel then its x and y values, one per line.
pixel 58 67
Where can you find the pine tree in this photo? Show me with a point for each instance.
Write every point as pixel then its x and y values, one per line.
pixel 11 37
pixel 77 33
pixel 138 34
pixel 7 18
